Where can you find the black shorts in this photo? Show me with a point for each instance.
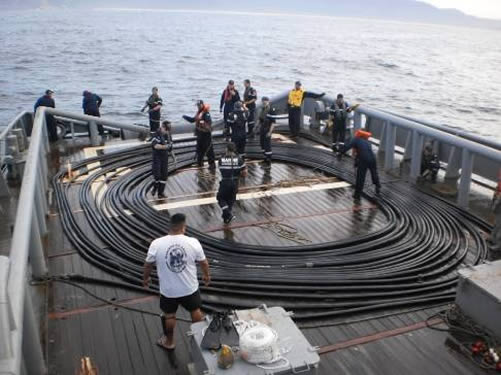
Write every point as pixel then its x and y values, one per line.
pixel 191 303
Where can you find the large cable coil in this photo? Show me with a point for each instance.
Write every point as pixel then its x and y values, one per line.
pixel 411 261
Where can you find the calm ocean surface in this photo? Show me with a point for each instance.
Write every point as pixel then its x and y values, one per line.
pixel 448 75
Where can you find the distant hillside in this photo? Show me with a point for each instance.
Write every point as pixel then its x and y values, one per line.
pixel 403 10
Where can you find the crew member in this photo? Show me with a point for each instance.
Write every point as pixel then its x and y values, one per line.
pixel 161 144
pixel 203 132
pixel 229 97
pixel 91 103
pixel 48 101
pixel 250 97
pixel 295 101
pixel 237 121
pixel 231 167
pixel 176 257
pixel 430 164
pixel 266 124
pixel 154 105
pixel 339 111
pixel 365 159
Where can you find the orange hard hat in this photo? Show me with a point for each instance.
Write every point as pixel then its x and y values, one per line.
pixel 363 134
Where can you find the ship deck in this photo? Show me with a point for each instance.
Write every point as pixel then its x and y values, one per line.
pixel 119 341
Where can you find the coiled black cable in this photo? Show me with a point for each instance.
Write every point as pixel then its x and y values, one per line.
pixel 411 261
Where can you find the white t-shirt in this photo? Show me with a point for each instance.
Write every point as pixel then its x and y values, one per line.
pixel 176 257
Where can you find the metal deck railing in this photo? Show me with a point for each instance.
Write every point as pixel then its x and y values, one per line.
pixel 20 344
pixel 463 154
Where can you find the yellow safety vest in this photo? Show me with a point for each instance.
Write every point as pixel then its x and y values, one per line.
pixel 296 97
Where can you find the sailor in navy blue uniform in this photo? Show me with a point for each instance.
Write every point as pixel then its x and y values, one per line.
pixel 365 159
pixel 266 123
pixel 250 97
pixel 154 105
pixel 237 121
pixel 339 111
pixel 161 144
pixel 231 167
pixel 48 101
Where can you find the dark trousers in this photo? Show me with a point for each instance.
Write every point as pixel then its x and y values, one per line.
pixel 265 142
pixel 294 120
pixel 205 148
pixel 240 142
pixel 51 128
pixel 160 171
pixel 251 121
pixel 362 172
pixel 226 112
pixel 227 196
pixel 338 133
pixel 154 123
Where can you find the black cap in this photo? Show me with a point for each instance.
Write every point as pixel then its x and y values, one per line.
pixel 200 102
pixel 265 99
pixel 298 83
pixel 48 92
pixel 340 96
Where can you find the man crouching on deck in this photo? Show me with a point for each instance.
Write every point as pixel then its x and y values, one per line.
pixel 176 257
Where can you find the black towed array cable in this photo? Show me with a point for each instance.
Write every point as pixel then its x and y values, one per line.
pixel 410 262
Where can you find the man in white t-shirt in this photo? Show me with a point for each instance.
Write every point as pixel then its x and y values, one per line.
pixel 176 257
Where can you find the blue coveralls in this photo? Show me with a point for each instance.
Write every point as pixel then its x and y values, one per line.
pixel 237 121
pixel 365 160
pixel 160 165
pixel 230 167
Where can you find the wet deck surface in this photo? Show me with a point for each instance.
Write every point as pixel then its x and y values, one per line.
pixel 118 341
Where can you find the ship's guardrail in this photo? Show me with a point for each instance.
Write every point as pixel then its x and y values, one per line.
pixel 13 139
pixel 20 345
pixel 463 154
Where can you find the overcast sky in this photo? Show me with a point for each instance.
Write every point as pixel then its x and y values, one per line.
pixel 479 8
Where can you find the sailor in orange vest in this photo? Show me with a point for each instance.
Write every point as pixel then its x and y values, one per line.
pixel 295 101
pixel 203 131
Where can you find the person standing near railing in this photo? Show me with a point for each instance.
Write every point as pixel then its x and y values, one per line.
pixel 294 103
pixel 250 97
pixel 91 104
pixel 154 105
pixel 229 97
pixel 339 111
pixel 48 101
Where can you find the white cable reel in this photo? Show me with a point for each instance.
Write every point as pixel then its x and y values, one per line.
pixel 258 345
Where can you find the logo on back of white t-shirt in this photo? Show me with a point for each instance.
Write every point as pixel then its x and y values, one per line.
pixel 176 258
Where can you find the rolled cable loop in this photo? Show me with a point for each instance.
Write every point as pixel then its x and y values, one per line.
pixel 410 261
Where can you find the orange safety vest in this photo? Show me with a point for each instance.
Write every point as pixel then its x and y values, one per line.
pixel 296 97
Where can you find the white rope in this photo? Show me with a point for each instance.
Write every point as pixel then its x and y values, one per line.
pixel 259 345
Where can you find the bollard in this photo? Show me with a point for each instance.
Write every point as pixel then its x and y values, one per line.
pixel 94 135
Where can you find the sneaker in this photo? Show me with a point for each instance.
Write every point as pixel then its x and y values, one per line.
pixel 229 220
pixel 161 196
